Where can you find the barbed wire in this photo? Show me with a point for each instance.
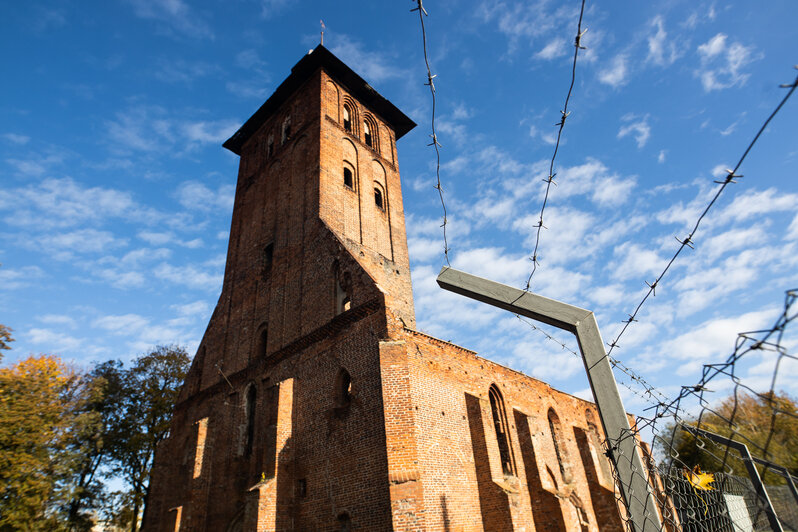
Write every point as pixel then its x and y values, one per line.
pixel 564 114
pixel 689 240
pixel 731 430
pixel 431 84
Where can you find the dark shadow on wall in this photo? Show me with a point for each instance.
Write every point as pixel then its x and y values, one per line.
pixel 493 501
pixel 605 507
pixel 546 509
pixel 445 514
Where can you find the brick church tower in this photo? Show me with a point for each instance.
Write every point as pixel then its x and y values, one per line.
pixel 312 402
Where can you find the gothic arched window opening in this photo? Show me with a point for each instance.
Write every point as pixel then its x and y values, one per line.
pixel 270 147
pixel 343 290
pixel 268 258
pixel 501 427
pixel 263 336
pixel 367 134
pixel 559 449
pixel 347 118
pixel 249 409
pixel 379 199
pixel 286 129
pixel 349 180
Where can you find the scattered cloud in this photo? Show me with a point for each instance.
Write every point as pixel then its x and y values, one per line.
pixel 636 126
pixel 615 73
pixel 661 156
pixel 175 14
pixel 372 65
pixel 16 278
pixel 194 196
pixel 555 48
pixel 182 71
pixel 16 139
pixel 661 50
pixel 722 63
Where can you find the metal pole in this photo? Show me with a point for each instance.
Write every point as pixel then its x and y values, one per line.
pixel 781 470
pixel 624 454
pixel 749 465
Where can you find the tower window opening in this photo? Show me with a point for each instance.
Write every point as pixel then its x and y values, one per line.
pixel 344 522
pixel 349 180
pixel 500 426
pixel 286 129
pixel 378 199
pixel 343 385
pixel 250 413
pixel 270 146
pixel 367 134
pixel 262 340
pixel 268 259
pixel 347 119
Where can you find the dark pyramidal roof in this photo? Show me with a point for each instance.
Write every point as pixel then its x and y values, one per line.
pixel 320 57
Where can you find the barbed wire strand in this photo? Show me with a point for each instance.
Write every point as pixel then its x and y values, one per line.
pixel 431 84
pixel 564 114
pixel 688 241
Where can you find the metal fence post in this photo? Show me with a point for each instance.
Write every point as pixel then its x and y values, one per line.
pixel 633 476
pixel 749 465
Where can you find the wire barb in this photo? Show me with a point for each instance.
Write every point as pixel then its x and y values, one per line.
pixel 435 144
pixel 561 124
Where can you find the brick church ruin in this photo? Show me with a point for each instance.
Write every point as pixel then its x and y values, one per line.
pixel 312 403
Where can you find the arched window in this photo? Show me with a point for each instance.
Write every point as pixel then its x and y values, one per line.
pixel 249 409
pixel 557 440
pixel 342 289
pixel 270 146
pixel 370 134
pixel 349 180
pixel 500 426
pixel 343 389
pixel 594 436
pixel 347 118
pixel 379 199
pixel 261 342
pixel 367 134
pixel 286 129
pixel 268 258
pixel 344 522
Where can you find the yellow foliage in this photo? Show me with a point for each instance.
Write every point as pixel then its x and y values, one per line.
pixel 699 480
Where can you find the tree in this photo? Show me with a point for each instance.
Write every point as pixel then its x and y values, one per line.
pixel 5 338
pixel 151 387
pixel 763 421
pixel 100 411
pixel 37 411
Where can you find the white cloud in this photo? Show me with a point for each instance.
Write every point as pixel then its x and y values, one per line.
pixel 661 51
pixel 175 13
pixel 615 73
pixel 553 49
pixel 123 324
pixel 722 63
pixel 63 246
pixel 635 261
pixel 194 195
pixel 54 342
pixel 197 308
pixel 189 276
pixel 636 126
pixel 213 132
pixel 16 139
pixel 371 65
pixel 661 156
pixel 13 279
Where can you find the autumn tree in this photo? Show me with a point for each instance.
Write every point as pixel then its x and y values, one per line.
pixel 37 413
pixel 762 422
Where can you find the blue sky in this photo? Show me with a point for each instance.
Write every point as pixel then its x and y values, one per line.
pixel 116 195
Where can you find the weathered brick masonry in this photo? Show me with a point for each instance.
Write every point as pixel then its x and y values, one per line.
pixel 312 403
